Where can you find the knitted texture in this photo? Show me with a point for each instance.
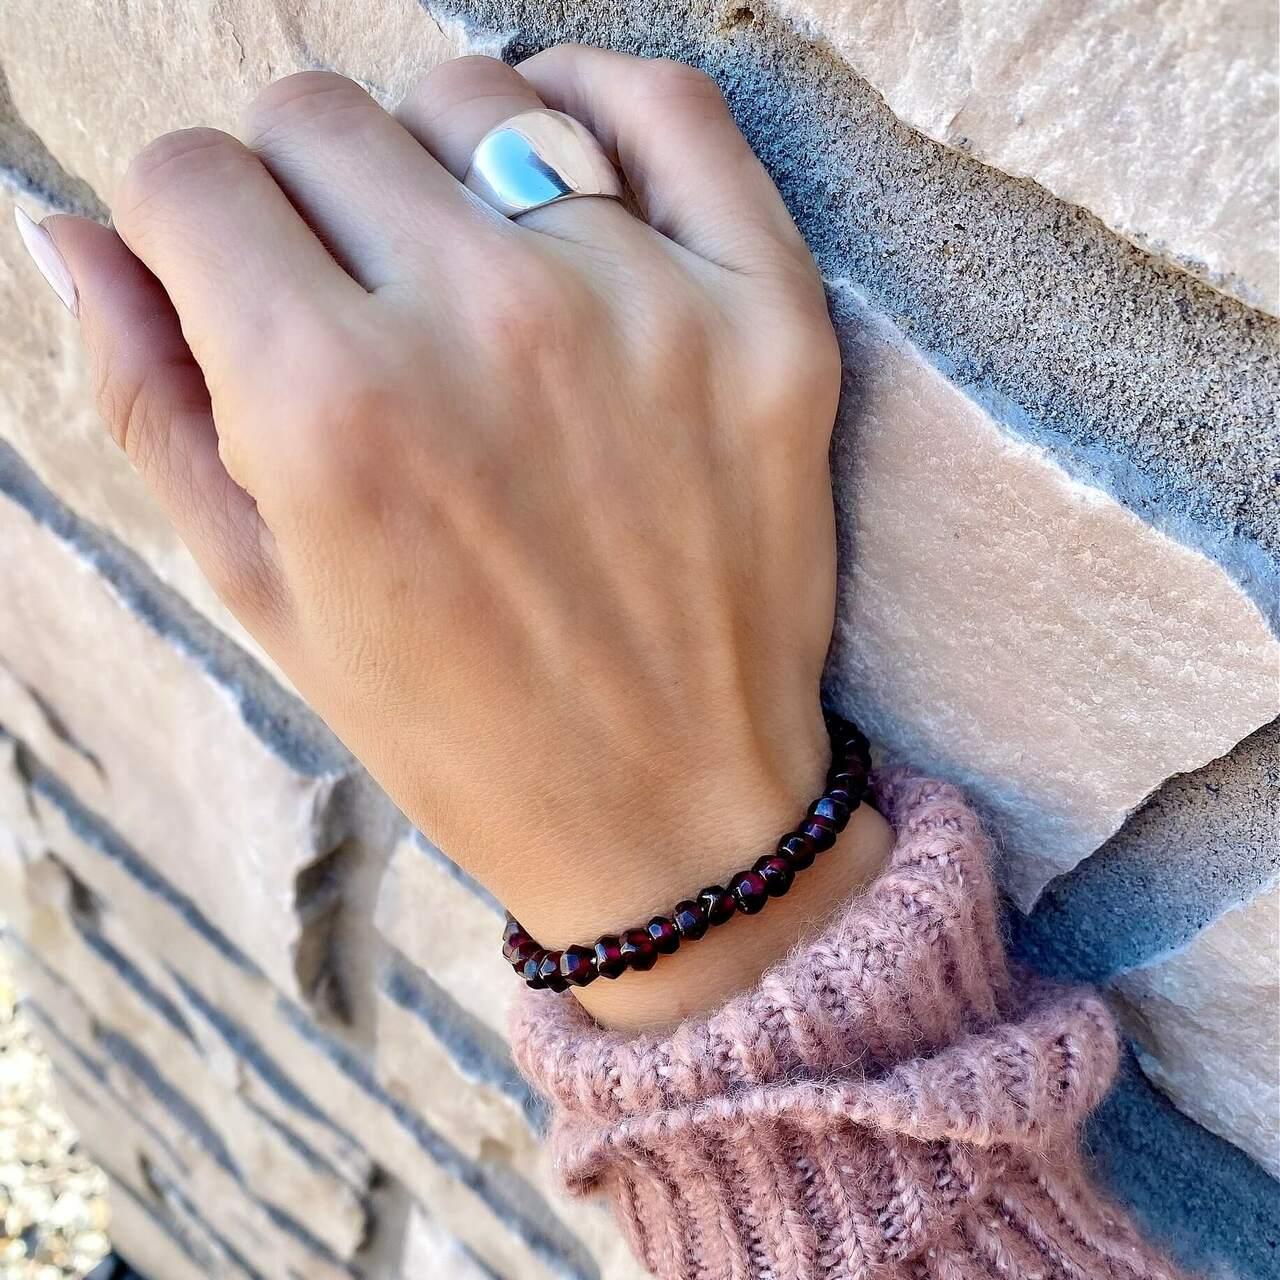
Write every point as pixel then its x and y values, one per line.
pixel 889 1101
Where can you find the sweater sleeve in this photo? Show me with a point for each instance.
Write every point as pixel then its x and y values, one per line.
pixel 889 1101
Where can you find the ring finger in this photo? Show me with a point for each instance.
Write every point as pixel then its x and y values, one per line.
pixel 454 105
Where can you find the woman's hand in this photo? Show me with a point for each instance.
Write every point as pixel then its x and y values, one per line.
pixel 536 515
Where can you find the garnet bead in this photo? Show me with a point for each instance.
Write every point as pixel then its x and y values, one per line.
pixel 832 808
pixel 638 949
pixel 822 831
pixel 578 966
pixel 750 891
pixel 610 962
pixel 798 850
pixel 549 971
pixel 776 872
pixel 522 954
pixel 718 903
pixel 512 936
pixel 690 919
pixel 664 935
pixel 532 971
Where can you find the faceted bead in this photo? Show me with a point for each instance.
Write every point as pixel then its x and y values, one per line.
pixel 718 903
pixel 578 966
pixel 638 949
pixel 690 919
pixel 532 971
pixel 831 808
pixel 776 872
pixel 822 831
pixel 610 962
pixel 750 891
pixel 848 781
pixel 798 850
pixel 664 934
pixel 512 933
pixel 522 954
pixel 549 971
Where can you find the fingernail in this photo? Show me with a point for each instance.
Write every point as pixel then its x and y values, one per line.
pixel 44 253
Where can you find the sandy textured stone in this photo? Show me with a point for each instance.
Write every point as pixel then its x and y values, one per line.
pixel 133 997
pixel 201 65
pixel 1158 117
pixel 236 810
pixel 444 923
pixel 1022 633
pixel 430 1250
pixel 1206 1020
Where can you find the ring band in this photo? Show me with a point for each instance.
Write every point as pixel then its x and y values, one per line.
pixel 538 158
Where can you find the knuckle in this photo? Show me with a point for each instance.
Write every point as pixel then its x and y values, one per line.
pixel 301 100
pixel 666 79
pixel 170 164
pixel 462 74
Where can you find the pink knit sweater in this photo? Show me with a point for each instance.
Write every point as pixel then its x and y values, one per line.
pixel 890 1101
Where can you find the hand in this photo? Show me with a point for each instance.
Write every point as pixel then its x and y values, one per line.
pixel 536 515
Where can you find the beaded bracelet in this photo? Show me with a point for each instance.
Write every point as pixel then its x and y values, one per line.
pixel 747 891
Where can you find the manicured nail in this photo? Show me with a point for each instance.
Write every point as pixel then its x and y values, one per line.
pixel 44 253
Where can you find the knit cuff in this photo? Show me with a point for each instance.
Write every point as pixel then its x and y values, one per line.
pixel 876 1084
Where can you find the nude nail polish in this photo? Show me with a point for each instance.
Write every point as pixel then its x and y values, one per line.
pixel 44 253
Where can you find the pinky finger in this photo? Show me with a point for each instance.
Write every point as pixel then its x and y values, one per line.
pixel 153 396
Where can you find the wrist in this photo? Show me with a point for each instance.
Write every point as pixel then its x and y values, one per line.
pixel 681 833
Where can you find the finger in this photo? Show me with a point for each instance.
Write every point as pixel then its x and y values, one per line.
pixel 383 205
pixel 452 107
pixel 669 128
pixel 154 399
pixel 236 259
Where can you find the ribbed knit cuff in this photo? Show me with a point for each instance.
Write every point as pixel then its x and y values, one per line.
pixel 888 1101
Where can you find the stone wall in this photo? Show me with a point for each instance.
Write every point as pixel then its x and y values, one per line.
pixel 1049 236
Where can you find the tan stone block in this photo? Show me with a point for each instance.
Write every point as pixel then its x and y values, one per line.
pixel 1159 118
pixel 447 926
pixel 220 780
pixel 1206 1022
pixel 1018 631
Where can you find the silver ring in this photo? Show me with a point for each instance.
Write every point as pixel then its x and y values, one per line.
pixel 537 158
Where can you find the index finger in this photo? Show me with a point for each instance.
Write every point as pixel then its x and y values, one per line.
pixel 672 134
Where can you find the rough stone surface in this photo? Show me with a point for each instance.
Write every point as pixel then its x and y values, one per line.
pixel 446 924
pixel 250 806
pixel 1158 117
pixel 1007 639
pixel 1206 1021
pixel 1203 843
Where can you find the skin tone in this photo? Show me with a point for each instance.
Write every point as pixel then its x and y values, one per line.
pixel 537 514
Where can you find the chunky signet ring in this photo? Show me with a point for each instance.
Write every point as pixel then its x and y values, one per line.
pixel 537 158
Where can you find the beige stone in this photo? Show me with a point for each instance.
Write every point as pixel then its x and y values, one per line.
pixel 1018 631
pixel 1157 116
pixel 1206 1020
pixel 188 782
pixel 444 928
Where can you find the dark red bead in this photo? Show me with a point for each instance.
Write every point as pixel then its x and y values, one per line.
pixel 798 850
pixel 512 941
pixel 578 966
pixel 610 962
pixel 532 971
pixel 522 954
pixel 718 903
pixel 690 919
pixel 849 782
pixel 664 934
pixel 549 971
pixel 750 891
pixel 822 831
pixel 833 809
pixel 511 930
pixel 776 872
pixel 638 950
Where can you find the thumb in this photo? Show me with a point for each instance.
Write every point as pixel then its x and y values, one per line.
pixel 153 396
